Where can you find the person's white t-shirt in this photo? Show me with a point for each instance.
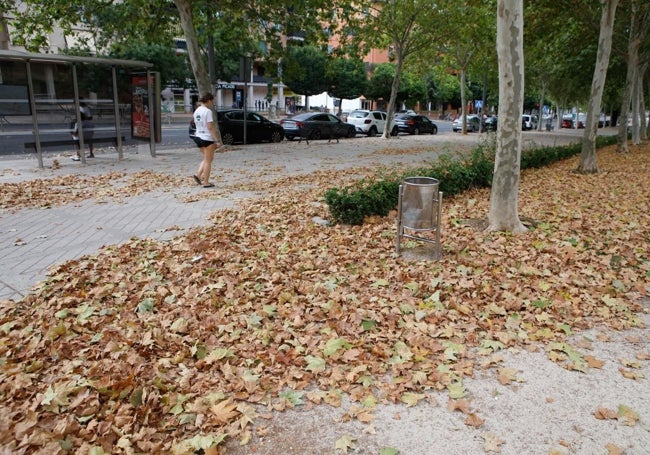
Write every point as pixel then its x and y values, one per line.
pixel 202 117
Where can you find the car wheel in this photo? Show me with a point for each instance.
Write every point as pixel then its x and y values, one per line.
pixel 276 136
pixel 352 133
pixel 416 131
pixel 315 135
pixel 395 131
pixel 227 139
pixel 434 130
pixel 372 132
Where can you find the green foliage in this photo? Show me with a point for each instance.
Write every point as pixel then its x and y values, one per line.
pixel 346 77
pixel 442 87
pixel 352 205
pixel 379 196
pixel 304 68
pixel 380 82
pixel 411 88
pixel 171 67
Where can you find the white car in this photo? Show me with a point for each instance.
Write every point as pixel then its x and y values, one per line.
pixel 370 123
pixel 528 122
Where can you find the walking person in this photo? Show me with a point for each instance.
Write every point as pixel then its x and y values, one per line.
pixel 207 138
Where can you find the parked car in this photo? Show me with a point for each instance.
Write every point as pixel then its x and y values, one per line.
pixel 473 123
pixel 258 127
pixel 490 123
pixel 604 120
pixel 415 124
pixel 528 122
pixel 370 123
pixel 343 115
pixel 316 125
pixel 406 112
pixel 568 121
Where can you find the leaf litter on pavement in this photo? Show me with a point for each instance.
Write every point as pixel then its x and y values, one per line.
pixel 164 347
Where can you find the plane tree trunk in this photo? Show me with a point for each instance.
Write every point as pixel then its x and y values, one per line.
pixel 504 200
pixel 588 163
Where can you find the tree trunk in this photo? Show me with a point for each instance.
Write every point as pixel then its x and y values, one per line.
pixel 643 127
pixel 541 107
pixel 622 120
pixel 463 100
pixel 504 200
pixel 4 33
pixel 393 91
pixel 634 42
pixel 484 99
pixel 588 164
pixel 635 109
pixel 193 50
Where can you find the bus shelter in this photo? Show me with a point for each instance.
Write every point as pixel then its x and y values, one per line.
pixel 46 89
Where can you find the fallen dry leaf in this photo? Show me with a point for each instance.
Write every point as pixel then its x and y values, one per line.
pixel 264 306
pixel 613 449
pixel 627 415
pixel 473 420
pixel 492 443
pixel 594 362
pixel 604 413
pixel 463 405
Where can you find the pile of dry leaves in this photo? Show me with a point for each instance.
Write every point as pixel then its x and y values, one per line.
pixel 164 347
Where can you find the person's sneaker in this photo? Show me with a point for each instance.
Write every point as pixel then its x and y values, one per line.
pixel 90 155
pixel 76 158
pixel 208 185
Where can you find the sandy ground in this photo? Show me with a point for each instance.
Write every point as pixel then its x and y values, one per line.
pixel 545 409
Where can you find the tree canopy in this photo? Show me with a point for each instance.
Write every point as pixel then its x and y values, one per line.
pixel 346 78
pixel 303 70
pixel 560 40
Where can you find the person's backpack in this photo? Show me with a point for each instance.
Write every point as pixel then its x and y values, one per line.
pixel 192 129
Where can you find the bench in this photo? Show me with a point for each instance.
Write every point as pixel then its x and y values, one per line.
pixel 70 142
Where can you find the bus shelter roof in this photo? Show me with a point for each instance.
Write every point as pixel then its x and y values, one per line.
pixel 59 58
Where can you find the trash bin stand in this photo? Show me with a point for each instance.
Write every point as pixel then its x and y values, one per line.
pixel 419 208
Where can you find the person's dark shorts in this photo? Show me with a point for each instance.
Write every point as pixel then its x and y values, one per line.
pixel 202 142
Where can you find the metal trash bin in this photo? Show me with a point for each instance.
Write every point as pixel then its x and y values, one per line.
pixel 419 209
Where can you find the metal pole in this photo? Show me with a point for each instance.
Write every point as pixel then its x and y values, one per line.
pixel 80 130
pixel 400 229
pixel 32 104
pixel 118 119
pixel 211 67
pixel 152 121
pixel 245 109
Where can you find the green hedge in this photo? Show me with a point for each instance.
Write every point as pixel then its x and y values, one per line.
pixel 378 196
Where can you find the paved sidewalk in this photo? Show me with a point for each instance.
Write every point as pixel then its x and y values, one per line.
pixel 32 240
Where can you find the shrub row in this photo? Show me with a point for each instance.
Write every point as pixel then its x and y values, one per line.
pixel 379 195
